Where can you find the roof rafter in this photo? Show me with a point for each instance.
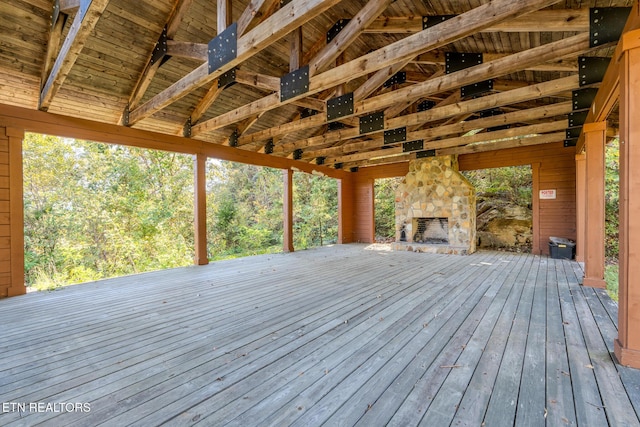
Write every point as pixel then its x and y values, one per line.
pixel 86 18
pixel 270 30
pixel 402 50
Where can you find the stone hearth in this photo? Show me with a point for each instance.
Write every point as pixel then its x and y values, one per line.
pixel 435 208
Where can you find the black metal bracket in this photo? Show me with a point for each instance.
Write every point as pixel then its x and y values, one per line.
pixel 430 21
pixel 491 113
pixel 336 126
pixel 320 160
pixel 268 147
pixel 606 24
pixel 160 50
pixel 223 48
pixel 372 122
pixel 577 118
pixel 337 165
pixel 354 169
pixel 55 14
pixel 233 138
pixel 285 2
pixel 295 83
pixel 574 132
pixel 413 146
pixel 476 89
pixel 426 105
pixel 425 153
pixel 307 112
pixel 395 135
pixel 297 154
pixel 571 142
pixel 186 129
pixel 583 98
pixel 125 116
pixel 396 79
pixel 337 27
pixel 227 79
pixel 592 69
pixel 456 61
pixel 340 106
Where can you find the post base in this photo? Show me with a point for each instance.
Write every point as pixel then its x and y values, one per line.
pixel 626 356
pixel 594 282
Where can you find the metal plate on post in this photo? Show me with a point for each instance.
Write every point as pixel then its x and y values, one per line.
pixel 426 105
pixel 606 24
pixel 125 116
pixel 307 112
pixel 372 122
pixel 55 14
pixel 233 138
pixel 396 79
pixel 571 142
pixel 456 61
pixel 577 118
pixel 186 129
pixel 476 89
pixel 354 169
pixel 430 21
pixel 413 146
pixel 160 50
pixel 227 79
pixel 425 153
pixel 297 154
pixel 223 48
pixel 336 126
pixel 395 135
pixel 574 132
pixel 338 166
pixel 295 83
pixel 268 147
pixel 320 160
pixel 592 69
pixel 337 27
pixel 340 106
pixel 583 98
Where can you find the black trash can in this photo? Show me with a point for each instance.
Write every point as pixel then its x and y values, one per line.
pixel 561 248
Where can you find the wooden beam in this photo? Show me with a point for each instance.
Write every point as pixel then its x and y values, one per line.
pixel 206 101
pixel 439 113
pixel 256 10
pixel 296 47
pixel 81 28
pixel 376 80
pixel 409 94
pixel 557 20
pixel 224 16
pixel 53 47
pixel 269 31
pixel 68 6
pixel 196 51
pixel 347 35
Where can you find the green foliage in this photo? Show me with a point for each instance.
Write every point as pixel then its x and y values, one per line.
pixel 611 278
pixel 384 191
pixel 513 183
pixel 315 214
pixel 611 199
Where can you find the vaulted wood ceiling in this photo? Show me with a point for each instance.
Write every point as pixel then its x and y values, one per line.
pixel 95 59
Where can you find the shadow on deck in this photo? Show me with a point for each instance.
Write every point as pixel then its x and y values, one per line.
pixel 343 335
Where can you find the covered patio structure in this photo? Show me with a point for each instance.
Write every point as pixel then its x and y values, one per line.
pixel 356 91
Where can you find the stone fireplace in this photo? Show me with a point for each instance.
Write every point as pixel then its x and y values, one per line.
pixel 435 208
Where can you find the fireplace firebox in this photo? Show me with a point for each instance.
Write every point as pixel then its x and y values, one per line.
pixel 431 230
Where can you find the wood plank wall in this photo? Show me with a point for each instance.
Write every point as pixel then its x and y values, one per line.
pixel 555 170
pixel 11 213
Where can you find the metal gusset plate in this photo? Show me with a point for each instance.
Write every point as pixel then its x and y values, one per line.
pixel 426 105
pixel 372 122
pixel 583 98
pixel 337 27
pixel 395 135
pixel 456 61
pixel 336 126
pixel 268 147
pixel 295 83
pixel 413 146
pixel 396 79
pixel 425 153
pixel 430 21
pixel 55 14
pixel 571 142
pixel 125 116
pixel 227 79
pixel 186 129
pixel 233 138
pixel 297 154
pixel 340 106
pixel 320 160
pixel 160 50
pixel 491 113
pixel 476 89
pixel 577 118
pixel 223 48
pixel 338 166
pixel 606 24
pixel 307 112
pixel 573 132
pixel 592 69
pixel 354 169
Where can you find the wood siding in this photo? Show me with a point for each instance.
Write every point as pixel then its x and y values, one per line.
pixel 11 214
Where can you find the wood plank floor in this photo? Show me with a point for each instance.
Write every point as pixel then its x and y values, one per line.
pixel 337 336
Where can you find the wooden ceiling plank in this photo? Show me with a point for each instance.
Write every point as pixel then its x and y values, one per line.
pixel 83 23
pixel 270 30
pixel 402 50
pixel 347 35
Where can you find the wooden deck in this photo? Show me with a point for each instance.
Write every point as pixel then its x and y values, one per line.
pixel 335 336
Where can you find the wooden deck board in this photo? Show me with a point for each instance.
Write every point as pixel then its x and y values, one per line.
pixel 341 336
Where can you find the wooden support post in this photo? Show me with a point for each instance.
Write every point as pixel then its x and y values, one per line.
pixel 535 207
pixel 627 345
pixel 287 204
pixel 581 205
pixel 595 139
pixel 15 204
pixel 345 209
pixel 200 208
